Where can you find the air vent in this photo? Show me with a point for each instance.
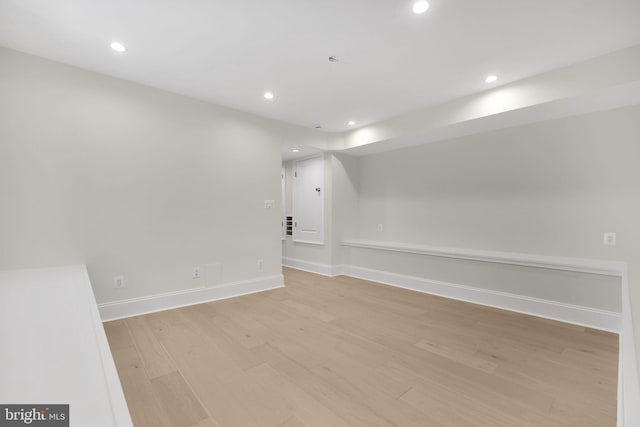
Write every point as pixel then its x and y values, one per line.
pixel 289 226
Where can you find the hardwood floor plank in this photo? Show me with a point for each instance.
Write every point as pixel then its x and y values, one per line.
pixel 173 392
pixel 154 356
pixel 346 352
pixel 145 408
pixel 307 410
pixel 353 411
pixel 293 421
pixel 307 310
pixel 208 422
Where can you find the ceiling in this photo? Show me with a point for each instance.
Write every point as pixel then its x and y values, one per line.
pixel 390 60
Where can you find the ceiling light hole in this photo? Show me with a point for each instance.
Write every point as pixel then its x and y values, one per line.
pixel 268 95
pixel 420 6
pixel 333 59
pixel 490 79
pixel 351 123
pixel 295 150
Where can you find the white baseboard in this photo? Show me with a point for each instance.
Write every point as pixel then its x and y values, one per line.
pixel 578 315
pixel 313 267
pixel 153 303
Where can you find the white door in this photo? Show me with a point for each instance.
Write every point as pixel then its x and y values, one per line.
pixel 308 200
pixel 283 201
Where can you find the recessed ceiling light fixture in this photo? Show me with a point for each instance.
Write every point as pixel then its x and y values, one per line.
pixel 295 150
pixel 118 47
pixel 351 123
pixel 420 6
pixel 268 95
pixel 492 78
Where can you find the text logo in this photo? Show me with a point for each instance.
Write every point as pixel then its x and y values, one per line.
pixel 34 415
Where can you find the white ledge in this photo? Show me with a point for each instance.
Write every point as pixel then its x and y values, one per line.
pixel 592 266
pixel 54 348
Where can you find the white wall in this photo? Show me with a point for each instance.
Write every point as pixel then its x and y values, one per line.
pixel 345 172
pixel 133 181
pixel 550 188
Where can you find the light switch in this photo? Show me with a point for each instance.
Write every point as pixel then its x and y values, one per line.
pixel 610 239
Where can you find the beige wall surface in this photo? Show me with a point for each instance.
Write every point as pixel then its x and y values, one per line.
pixel 551 188
pixel 133 181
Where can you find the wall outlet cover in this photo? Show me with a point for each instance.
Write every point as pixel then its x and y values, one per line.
pixel 118 282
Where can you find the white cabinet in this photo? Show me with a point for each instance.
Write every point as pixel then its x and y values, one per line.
pixel 283 203
pixel 308 200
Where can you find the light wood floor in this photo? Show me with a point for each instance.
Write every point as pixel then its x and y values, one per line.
pixel 346 352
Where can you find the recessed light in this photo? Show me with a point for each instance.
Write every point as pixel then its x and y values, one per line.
pixel 118 47
pixel 295 150
pixel 351 123
pixel 490 79
pixel 268 95
pixel 420 6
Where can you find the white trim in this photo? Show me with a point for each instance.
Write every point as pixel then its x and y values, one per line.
pixel 313 267
pixel 628 386
pixel 119 406
pixel 307 242
pixel 160 302
pixel 578 315
pixel 591 266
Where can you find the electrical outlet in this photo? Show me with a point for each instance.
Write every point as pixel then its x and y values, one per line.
pixel 609 239
pixel 260 263
pixel 118 282
pixel 380 228
pixel 196 273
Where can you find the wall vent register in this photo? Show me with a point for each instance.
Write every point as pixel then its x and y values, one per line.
pixel 289 226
